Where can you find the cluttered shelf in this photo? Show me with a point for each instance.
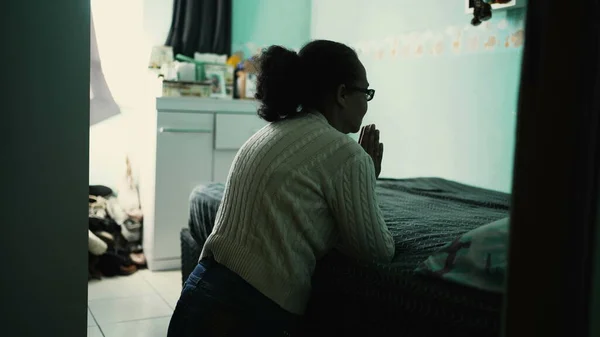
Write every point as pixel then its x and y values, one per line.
pixel 204 75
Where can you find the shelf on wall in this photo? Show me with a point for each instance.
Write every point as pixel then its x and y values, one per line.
pixel 497 7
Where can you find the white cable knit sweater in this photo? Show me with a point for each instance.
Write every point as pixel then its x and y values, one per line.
pixel 297 189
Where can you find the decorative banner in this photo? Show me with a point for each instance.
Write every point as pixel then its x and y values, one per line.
pixel 395 49
pixel 472 40
pixel 490 37
pixel 405 43
pixel 380 48
pixel 388 48
pixel 516 39
pixel 453 40
pixel 438 45
pixel 420 43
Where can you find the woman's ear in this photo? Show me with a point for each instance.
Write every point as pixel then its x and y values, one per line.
pixel 341 95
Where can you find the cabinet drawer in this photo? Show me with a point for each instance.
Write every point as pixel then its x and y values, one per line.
pixel 234 130
pixel 181 122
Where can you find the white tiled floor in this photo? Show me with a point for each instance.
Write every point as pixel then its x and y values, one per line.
pixel 137 305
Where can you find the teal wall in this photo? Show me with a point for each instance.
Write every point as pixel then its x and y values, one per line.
pixel 260 23
pixel 450 115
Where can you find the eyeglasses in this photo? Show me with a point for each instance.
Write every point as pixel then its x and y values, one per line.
pixel 370 93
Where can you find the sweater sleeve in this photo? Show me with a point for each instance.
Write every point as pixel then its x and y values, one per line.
pixel 363 232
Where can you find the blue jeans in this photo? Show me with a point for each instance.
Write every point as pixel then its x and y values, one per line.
pixel 217 302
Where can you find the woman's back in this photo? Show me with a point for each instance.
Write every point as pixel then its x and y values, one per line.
pixel 281 206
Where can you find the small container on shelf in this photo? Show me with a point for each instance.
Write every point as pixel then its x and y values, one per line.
pixel 246 85
pixel 193 89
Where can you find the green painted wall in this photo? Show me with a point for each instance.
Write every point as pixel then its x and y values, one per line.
pixel 260 23
pixel 450 115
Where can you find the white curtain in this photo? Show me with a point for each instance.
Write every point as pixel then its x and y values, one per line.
pixel 102 103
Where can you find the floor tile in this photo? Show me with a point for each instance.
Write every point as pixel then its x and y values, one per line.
pixel 119 287
pixel 164 281
pixel 171 297
pixel 90 319
pixel 94 331
pixel 108 311
pixel 167 284
pixel 156 327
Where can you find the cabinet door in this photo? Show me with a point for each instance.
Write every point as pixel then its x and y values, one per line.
pixel 233 130
pixel 183 161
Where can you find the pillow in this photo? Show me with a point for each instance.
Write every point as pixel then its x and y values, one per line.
pixel 476 259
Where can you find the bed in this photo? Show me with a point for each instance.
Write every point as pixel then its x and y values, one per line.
pixel 354 298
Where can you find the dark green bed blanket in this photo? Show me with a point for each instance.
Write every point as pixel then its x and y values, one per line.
pixel 351 297
pixel 423 214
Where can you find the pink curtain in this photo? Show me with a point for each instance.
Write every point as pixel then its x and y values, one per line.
pixel 102 103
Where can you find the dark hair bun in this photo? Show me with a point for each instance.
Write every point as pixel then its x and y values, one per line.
pixel 279 83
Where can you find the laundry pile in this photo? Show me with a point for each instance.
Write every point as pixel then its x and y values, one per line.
pixel 115 231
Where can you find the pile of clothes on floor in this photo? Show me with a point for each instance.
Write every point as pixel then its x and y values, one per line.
pixel 115 231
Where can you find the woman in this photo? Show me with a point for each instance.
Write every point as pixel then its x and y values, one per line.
pixel 298 188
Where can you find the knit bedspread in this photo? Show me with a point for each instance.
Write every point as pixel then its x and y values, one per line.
pixel 423 215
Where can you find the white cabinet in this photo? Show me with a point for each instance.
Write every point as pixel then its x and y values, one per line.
pixel 183 161
pixel 194 142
